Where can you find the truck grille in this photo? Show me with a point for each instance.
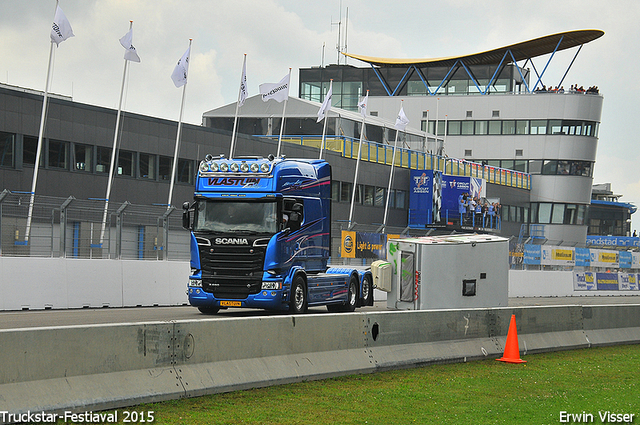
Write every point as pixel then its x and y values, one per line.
pixel 232 271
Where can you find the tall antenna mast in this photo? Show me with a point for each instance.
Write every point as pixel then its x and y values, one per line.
pixel 339 24
pixel 346 27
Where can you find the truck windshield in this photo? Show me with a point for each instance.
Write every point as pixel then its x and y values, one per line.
pixel 236 216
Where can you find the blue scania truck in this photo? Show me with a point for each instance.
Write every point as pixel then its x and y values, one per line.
pixel 261 238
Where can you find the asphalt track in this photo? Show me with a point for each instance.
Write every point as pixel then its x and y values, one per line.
pixel 98 316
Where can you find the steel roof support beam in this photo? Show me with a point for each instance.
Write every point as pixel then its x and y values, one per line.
pixel 520 71
pixel 570 65
pixel 498 70
pixel 446 77
pixel 472 77
pixel 424 80
pixel 382 80
pixel 548 62
pixel 401 81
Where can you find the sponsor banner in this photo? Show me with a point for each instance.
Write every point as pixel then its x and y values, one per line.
pixel 607 281
pixel 628 282
pixel 435 196
pixel 364 245
pixel 557 256
pixel 532 254
pixel 635 260
pixel 602 258
pixel 612 241
pixel 370 245
pixel 583 257
pixel 625 259
pixel 348 244
pixel 584 281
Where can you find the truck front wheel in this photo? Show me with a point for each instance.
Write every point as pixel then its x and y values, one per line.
pixel 298 296
pixel 209 310
pixel 367 291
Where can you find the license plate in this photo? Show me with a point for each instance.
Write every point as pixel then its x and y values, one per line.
pixel 230 304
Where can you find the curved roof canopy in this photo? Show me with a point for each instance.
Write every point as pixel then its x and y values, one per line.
pixel 521 51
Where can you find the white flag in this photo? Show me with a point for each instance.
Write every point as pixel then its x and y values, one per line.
pixel 276 91
pixel 61 28
pixel 401 120
pixel 363 105
pixel 243 84
pixel 130 54
pixel 326 105
pixel 181 70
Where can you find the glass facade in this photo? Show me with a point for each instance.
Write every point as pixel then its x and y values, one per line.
pixel 350 83
pixel 511 127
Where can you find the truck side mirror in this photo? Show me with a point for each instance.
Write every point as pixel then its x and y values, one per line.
pixel 186 216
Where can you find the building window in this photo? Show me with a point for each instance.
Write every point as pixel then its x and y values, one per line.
pixel 164 169
pixel 58 154
pixel 103 159
pixel 369 195
pixel 468 152
pixel 335 191
pixel 495 114
pixel 522 127
pixel 453 128
pixel 550 167
pixel 82 157
pixel 538 127
pixel 7 146
pixel 518 152
pixel 544 212
pixel 466 127
pixel 495 127
pixel 185 171
pixel 482 127
pixel 125 164
pixel 147 165
pixel 345 192
pixel 400 201
pixel 508 127
pixel 380 197
pixel 469 114
pixel 29 148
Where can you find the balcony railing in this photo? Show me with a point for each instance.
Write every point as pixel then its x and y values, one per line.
pixel 411 159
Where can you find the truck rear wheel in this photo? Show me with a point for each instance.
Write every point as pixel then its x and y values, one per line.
pixel 352 300
pixel 298 296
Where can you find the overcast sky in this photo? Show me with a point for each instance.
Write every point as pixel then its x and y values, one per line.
pixel 280 34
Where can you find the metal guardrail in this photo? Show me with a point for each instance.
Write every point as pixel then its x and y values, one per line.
pixel 72 228
pixel 411 159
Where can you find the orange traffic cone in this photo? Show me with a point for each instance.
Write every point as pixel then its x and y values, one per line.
pixel 511 350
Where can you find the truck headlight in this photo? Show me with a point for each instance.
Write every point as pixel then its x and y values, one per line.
pixel 195 282
pixel 270 285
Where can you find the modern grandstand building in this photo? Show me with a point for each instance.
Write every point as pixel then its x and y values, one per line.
pixel 488 108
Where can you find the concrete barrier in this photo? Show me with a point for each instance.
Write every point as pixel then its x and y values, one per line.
pixel 96 367
pixel 60 283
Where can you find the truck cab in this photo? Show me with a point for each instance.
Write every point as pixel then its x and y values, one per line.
pixel 261 237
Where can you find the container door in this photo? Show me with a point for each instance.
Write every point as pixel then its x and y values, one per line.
pixel 407 273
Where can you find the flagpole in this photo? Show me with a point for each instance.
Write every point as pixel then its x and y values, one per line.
pixel 324 132
pixel 175 154
pixel 284 108
pixel 112 164
pixel 235 121
pixel 393 163
pixel 39 148
pixel 326 118
pixel 355 178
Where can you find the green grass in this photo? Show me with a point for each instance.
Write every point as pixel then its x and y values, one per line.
pixel 482 392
